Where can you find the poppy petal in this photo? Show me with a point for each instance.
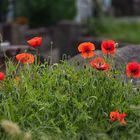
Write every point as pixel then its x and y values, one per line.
pixel 2 76
pixel 35 42
pixel 105 67
pixel 87 55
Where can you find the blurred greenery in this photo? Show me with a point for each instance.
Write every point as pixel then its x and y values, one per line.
pixel 117 29
pixel 3 9
pixel 45 12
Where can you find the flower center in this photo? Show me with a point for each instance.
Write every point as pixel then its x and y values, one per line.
pixel 25 58
pixel 87 51
pixel 108 48
pixel 134 71
pixel 99 64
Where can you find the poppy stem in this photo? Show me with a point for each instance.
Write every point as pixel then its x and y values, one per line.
pixel 51 52
pixel 83 60
pixel 37 56
pixel 17 65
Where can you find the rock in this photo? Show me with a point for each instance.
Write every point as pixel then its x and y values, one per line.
pixel 12 50
pixel 124 55
pixel 128 53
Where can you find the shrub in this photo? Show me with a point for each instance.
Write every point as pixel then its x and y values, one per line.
pixel 42 13
pixel 3 10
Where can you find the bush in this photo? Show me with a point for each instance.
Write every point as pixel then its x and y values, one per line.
pixel 63 102
pixel 3 10
pixel 42 13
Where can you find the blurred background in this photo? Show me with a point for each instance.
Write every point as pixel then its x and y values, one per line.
pixel 63 24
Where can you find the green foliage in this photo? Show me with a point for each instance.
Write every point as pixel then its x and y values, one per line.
pixel 46 12
pixel 118 30
pixel 3 9
pixel 64 101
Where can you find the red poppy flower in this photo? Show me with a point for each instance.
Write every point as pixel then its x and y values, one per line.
pixel 86 49
pixel 108 47
pixel 35 42
pixel 133 69
pixel 114 116
pixel 25 58
pixel 99 64
pixel 2 76
pixel 121 119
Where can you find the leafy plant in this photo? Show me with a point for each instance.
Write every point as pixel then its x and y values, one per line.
pixel 46 12
pixel 69 100
pixel 63 101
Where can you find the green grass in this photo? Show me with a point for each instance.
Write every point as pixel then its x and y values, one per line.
pixel 67 102
pixel 119 30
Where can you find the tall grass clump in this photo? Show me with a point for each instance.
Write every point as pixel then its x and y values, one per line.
pixel 66 101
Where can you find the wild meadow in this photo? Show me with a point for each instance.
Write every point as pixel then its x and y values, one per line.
pixel 68 101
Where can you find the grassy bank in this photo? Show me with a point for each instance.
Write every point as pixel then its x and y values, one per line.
pixel 62 101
